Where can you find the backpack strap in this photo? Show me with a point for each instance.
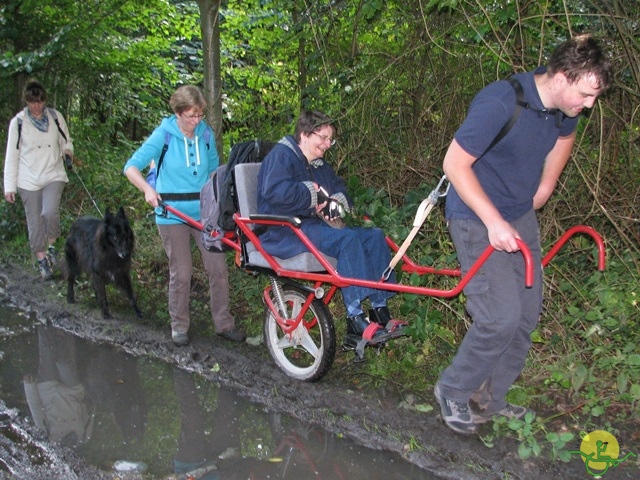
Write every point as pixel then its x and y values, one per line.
pixel 167 139
pixel 19 133
pixel 165 147
pixel 520 104
pixel 53 114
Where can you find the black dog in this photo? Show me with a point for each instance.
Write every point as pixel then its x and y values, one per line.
pixel 102 249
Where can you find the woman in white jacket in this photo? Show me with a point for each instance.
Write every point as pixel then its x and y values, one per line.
pixel 38 138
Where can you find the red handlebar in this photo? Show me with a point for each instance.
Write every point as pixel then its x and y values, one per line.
pixel 409 266
pixel 526 255
pixel 570 233
pixel 528 263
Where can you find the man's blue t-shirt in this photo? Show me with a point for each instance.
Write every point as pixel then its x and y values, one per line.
pixel 510 171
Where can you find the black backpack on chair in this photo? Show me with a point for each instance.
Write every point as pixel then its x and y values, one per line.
pixel 218 195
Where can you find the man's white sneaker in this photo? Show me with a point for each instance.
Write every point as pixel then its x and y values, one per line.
pixel 510 411
pixel 456 415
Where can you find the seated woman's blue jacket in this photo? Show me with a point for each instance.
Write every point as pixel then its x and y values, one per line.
pixel 285 188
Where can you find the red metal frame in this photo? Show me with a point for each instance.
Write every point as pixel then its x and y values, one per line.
pixel 333 278
pixel 570 233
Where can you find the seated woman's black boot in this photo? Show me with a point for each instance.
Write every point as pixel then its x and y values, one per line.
pixel 356 326
pixel 393 326
pixel 380 315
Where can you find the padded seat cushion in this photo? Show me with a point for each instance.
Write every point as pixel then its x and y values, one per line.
pixel 303 262
pixel 246 181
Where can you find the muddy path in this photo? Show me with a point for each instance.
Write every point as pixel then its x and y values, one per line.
pixel 377 419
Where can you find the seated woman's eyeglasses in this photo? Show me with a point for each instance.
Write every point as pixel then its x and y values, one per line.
pixel 191 117
pixel 332 141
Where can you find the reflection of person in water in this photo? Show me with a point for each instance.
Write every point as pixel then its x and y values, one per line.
pixel 210 442
pixel 57 399
pixel 114 384
pixel 200 444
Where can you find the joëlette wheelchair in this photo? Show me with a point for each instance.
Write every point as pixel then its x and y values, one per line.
pixel 298 326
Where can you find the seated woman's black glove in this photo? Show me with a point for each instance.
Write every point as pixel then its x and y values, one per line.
pixel 333 209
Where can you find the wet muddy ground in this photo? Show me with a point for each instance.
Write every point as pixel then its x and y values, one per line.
pixel 379 419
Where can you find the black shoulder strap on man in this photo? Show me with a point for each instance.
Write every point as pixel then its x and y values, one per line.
pixel 520 104
pixel 53 114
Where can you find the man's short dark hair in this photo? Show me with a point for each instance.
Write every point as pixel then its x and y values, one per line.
pixel 580 56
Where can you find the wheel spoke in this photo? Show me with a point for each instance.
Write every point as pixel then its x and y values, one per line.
pixel 306 341
pixel 286 341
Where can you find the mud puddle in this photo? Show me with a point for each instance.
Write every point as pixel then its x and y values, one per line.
pixel 286 415
pixel 137 415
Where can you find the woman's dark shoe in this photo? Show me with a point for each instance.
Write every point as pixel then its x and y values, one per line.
pixel 359 327
pixel 234 335
pixel 362 333
pixel 357 324
pixel 382 316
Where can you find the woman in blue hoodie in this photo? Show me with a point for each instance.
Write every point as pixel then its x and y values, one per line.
pixel 189 160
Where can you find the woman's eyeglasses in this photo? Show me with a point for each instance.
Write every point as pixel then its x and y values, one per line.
pixel 332 141
pixel 191 117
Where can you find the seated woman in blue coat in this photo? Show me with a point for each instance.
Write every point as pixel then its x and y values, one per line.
pixel 293 180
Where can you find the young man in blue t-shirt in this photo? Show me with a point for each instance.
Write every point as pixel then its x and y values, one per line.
pixel 496 188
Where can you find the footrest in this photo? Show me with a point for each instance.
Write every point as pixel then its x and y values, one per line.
pixel 374 335
pixel 396 327
pixel 370 332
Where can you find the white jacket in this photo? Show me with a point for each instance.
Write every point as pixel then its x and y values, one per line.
pixel 38 159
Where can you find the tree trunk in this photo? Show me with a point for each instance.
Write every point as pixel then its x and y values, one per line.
pixel 212 84
pixel 302 60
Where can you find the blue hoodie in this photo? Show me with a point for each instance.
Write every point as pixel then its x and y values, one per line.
pixel 185 168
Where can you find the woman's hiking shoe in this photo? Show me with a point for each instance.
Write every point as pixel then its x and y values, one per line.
pixel 456 415
pixel 52 256
pixel 234 335
pixel 45 269
pixel 180 339
pixel 509 411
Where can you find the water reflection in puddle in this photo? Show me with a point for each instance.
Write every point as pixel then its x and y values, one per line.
pixel 129 412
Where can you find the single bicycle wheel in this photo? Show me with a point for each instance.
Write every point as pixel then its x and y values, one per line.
pixel 308 353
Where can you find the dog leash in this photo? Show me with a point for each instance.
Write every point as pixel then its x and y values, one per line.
pixel 421 215
pixel 69 164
